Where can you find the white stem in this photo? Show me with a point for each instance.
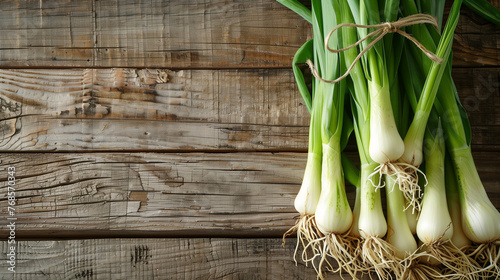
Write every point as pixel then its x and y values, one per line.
pixel 398 234
pixel 308 196
pixel 371 217
pixel 480 218
pixel 411 217
pixel 414 140
pixel 386 144
pixel 434 222
pixel 459 238
pixel 333 213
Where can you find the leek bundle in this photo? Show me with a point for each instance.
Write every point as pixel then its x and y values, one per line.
pixel 381 73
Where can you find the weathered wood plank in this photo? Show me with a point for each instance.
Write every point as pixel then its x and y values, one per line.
pixel 182 258
pixel 158 194
pixel 51 33
pixel 173 34
pixel 479 91
pixel 77 109
pixel 234 193
pixel 197 34
pixel 149 34
pixel 131 109
pixel 469 47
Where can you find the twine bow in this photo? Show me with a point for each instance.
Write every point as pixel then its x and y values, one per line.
pixel 381 30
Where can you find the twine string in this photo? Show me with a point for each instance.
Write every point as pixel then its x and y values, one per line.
pixel 381 30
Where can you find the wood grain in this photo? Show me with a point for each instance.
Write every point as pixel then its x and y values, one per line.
pixel 479 91
pixel 158 109
pixel 166 194
pixel 126 109
pixel 234 194
pixel 469 48
pixel 157 33
pixel 173 34
pixel 181 258
pixel 51 33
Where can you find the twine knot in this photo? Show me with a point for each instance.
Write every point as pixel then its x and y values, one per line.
pixel 380 31
pixel 390 28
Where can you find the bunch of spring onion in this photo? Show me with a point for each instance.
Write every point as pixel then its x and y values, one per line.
pixel 325 215
pixel 391 85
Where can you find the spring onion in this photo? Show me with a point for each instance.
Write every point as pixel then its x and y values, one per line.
pixel 412 137
pixel 458 238
pixel 399 233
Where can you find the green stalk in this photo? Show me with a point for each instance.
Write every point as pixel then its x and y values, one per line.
pixel 412 78
pixel 360 96
pixel 414 138
pixel 308 195
pixel 485 10
pixel 454 118
pixel 298 8
pixel 356 212
pixel 480 219
pixel 319 48
pixel 333 213
pixel 391 8
pixel 303 53
pixel 351 172
pixel 368 214
pixel 434 8
pixel 385 144
pixel 420 32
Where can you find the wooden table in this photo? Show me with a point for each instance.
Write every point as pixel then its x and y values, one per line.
pixel 167 139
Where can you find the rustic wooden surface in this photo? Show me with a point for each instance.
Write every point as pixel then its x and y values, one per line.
pixel 151 109
pixel 180 258
pixel 156 193
pixel 177 121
